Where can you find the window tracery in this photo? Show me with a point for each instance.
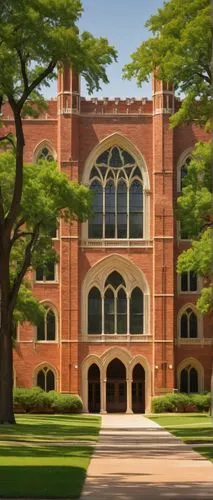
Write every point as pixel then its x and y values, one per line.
pixel 46 330
pixel 188 324
pixel 46 379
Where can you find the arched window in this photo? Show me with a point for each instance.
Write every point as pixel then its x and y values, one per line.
pixel 188 324
pixel 189 379
pixel 183 171
pixel 46 330
pixel 117 184
pixel 45 154
pixel 46 379
pixel 115 311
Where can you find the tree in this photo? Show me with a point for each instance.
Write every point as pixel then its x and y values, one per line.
pixel 180 51
pixel 36 37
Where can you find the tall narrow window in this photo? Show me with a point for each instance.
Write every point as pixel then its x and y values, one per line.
pixel 183 171
pixel 46 379
pixel 94 311
pixel 188 324
pixel 46 330
pixel 136 311
pixel 189 380
pixel 118 201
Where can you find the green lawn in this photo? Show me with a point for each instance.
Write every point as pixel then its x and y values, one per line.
pixel 46 471
pixel 52 428
pixel 190 428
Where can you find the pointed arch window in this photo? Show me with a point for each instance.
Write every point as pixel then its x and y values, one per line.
pixel 115 311
pixel 183 171
pixel 46 330
pixel 189 379
pixel 188 324
pixel 117 184
pixel 45 154
pixel 46 379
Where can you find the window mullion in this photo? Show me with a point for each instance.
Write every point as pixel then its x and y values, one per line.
pixel 103 312
pixel 128 217
pixel 115 312
pixel 116 209
pixel 104 210
pixel 128 314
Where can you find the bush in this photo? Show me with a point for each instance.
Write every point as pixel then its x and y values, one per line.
pixel 36 400
pixel 179 402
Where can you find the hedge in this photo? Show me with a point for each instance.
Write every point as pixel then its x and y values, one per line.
pixel 36 400
pixel 183 403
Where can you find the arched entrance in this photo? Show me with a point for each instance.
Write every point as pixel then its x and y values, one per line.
pixel 94 389
pixel 138 389
pixel 116 400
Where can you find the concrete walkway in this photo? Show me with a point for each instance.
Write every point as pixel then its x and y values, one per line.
pixel 135 459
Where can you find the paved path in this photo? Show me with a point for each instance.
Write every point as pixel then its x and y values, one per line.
pixel 135 459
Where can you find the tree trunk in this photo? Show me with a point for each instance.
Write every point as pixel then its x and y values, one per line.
pixel 6 375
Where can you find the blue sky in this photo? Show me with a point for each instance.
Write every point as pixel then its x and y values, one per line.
pixel 122 22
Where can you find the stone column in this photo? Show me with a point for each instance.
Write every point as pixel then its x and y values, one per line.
pixel 103 396
pixel 129 395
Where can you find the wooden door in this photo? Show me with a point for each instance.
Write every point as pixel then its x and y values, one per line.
pixel 116 396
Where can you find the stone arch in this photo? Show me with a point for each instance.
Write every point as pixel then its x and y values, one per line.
pixel 117 139
pixel 45 143
pixel 116 352
pixel 181 311
pixel 48 303
pixel 195 364
pixel 87 362
pixel 142 360
pixel 133 276
pixel 187 153
pixel 50 367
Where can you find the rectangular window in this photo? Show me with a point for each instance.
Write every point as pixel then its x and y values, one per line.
pixel 46 275
pixel 188 282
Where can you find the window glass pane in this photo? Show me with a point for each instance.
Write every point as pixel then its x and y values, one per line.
pixel 184 282
pixel 121 312
pixel 127 158
pixel 50 381
pixel 122 210
pixel 50 319
pixel 193 281
pixel 41 330
pixel 115 159
pixel 184 326
pixel 193 325
pixel 96 221
pixel 50 272
pixel 193 377
pixel 110 210
pixel 184 381
pixel 39 274
pixel 115 279
pixel 136 210
pixel 109 312
pixel 183 172
pixel 136 311
pixel 94 312
pixel 41 380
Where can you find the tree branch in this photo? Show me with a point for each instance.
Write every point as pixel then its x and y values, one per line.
pixel 36 82
pixel 22 234
pixel 26 263
pixel 7 137
pixel 23 69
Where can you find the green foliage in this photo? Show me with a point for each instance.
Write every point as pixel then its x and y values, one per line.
pixel 184 403
pixel 35 35
pixel 47 196
pixel 180 49
pixel 37 400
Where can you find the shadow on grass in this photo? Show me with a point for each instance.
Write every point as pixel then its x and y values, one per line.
pixel 192 432
pixel 53 472
pixel 52 427
pixel 206 451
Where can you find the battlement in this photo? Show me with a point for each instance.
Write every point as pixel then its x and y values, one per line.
pixel 116 105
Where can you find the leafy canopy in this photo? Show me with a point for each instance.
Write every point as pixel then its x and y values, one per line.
pixel 47 196
pixel 180 49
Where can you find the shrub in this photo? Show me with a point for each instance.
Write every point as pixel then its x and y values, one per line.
pixel 179 402
pixel 35 400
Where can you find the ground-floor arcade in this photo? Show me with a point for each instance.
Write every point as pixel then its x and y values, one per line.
pixel 116 382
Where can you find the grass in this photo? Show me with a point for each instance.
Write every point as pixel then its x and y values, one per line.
pixel 190 428
pixel 52 428
pixel 34 470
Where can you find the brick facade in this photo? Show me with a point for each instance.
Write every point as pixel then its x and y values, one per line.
pixel 74 128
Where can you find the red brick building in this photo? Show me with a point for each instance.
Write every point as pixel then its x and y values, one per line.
pixel 120 325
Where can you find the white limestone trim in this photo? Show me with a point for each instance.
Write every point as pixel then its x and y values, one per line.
pixel 42 365
pixel 199 322
pixel 117 139
pixel 116 243
pixel 97 275
pixel 45 143
pixel 102 362
pixel 195 364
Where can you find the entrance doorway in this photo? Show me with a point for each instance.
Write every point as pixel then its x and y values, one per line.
pixel 116 400
pixel 94 389
pixel 138 389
